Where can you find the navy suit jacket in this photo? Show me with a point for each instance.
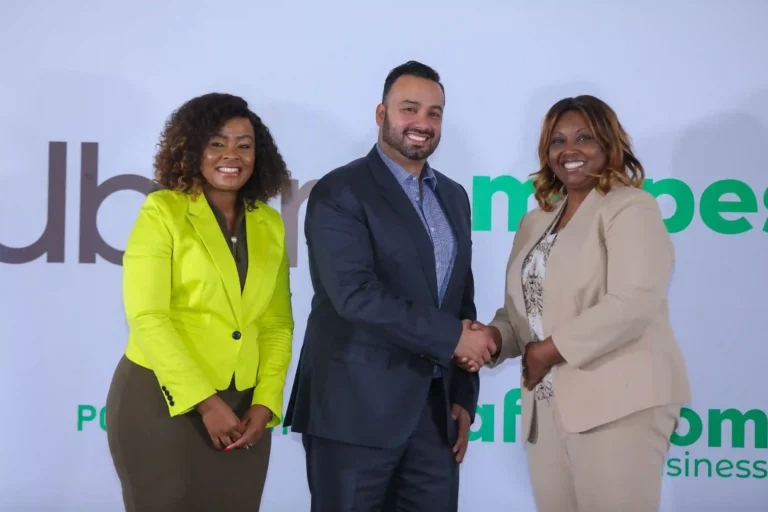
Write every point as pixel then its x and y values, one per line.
pixel 376 328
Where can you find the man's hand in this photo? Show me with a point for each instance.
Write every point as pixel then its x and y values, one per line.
pixel 493 334
pixel 538 359
pixel 460 415
pixel 475 347
pixel 253 424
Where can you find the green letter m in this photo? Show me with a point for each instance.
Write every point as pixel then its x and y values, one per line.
pixel 738 426
pixel 483 189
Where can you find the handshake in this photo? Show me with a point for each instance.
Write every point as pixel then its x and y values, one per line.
pixel 478 343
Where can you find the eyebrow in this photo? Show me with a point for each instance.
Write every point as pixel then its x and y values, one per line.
pixel 580 130
pixel 238 137
pixel 413 102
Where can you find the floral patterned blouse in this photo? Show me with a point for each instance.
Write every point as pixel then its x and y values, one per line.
pixel 534 270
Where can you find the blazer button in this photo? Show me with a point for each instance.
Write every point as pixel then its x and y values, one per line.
pixel 236 335
pixel 170 402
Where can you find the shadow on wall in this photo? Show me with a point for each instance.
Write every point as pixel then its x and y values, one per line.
pixel 728 145
pixel 725 148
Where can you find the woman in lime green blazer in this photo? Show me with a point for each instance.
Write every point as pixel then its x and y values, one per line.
pixel 207 297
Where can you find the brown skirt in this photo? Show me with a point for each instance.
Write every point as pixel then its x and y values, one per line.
pixel 169 464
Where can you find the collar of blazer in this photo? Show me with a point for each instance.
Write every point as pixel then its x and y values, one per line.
pixel 449 199
pixel 204 221
pixel 563 262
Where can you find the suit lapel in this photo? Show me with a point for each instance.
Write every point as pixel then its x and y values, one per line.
pixel 395 195
pixel 560 262
pixel 204 221
pixel 258 245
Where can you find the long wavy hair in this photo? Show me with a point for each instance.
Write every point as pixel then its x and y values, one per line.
pixel 622 166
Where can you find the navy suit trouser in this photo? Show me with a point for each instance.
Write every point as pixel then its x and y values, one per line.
pixel 420 475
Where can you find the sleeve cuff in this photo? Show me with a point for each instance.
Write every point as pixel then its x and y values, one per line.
pixel 453 333
pixel 509 348
pixel 565 350
pixel 263 395
pixel 178 407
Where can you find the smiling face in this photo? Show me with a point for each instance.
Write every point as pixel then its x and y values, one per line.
pixel 411 117
pixel 574 154
pixel 228 158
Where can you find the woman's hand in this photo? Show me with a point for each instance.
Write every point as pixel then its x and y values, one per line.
pixel 538 359
pixel 253 425
pixel 222 423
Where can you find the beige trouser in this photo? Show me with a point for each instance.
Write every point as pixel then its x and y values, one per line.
pixel 615 467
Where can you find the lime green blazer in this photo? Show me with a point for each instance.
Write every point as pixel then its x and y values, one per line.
pixel 189 321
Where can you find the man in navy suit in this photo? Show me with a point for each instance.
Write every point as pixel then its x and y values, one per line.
pixel 383 409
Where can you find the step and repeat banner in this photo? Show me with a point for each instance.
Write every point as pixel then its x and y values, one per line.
pixel 87 86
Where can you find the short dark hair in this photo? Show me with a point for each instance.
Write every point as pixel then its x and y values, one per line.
pixel 188 130
pixel 410 68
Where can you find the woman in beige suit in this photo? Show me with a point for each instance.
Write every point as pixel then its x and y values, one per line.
pixel 586 307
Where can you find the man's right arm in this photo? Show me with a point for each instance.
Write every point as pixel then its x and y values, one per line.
pixel 339 243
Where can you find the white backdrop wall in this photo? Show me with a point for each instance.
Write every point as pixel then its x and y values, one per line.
pixel 689 83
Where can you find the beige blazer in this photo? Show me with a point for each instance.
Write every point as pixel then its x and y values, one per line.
pixel 605 306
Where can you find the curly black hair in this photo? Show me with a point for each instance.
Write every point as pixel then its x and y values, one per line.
pixel 187 132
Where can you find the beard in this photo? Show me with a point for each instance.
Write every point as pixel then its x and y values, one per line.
pixel 399 142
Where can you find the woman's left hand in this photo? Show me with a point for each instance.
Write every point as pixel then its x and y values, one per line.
pixel 255 422
pixel 538 360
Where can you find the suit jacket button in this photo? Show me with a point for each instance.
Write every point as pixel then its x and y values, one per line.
pixel 171 403
pixel 236 335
